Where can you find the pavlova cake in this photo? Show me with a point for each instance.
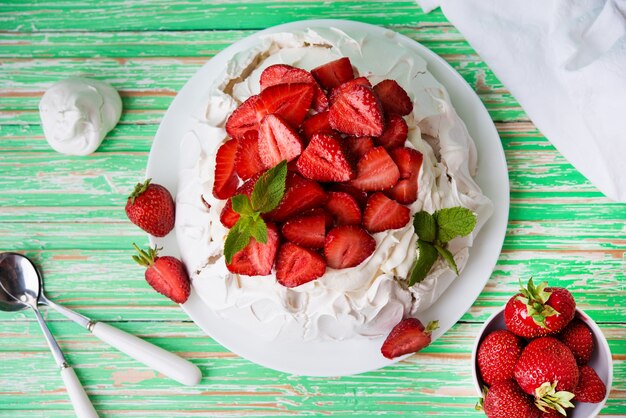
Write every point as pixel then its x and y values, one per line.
pixel 327 192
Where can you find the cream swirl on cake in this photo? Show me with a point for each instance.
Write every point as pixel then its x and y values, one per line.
pixel 363 301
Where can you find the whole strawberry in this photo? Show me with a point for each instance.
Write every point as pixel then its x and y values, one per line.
pixel 539 311
pixel 497 356
pixel 151 208
pixel 578 338
pixel 590 387
pixel 505 399
pixel 167 275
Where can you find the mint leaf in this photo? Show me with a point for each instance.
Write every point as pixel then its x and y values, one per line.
pixel 454 222
pixel 447 255
pixel 241 204
pixel 237 238
pixel 270 188
pixel 425 226
pixel 425 260
pixel 258 230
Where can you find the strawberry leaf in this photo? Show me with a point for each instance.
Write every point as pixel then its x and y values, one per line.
pixel 270 188
pixel 454 222
pixel 425 260
pixel 425 226
pixel 447 255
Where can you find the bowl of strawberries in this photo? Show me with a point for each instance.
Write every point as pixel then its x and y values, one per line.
pixel 540 356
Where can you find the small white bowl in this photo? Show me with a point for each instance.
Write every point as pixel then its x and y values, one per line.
pixel 601 361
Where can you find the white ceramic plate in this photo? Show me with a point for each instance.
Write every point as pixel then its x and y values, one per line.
pixel 338 357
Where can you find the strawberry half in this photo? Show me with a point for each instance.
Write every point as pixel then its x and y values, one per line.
pixel 358 146
pixel 394 99
pixel 256 259
pixel 300 195
pixel 408 336
pixel 285 74
pixel 307 231
pixel 225 180
pixel 289 101
pixel 316 124
pixel 382 213
pixel 409 162
pixel 324 160
pixel 347 246
pixel 228 217
pixel 243 119
pixel 334 73
pixel 356 111
pixel 248 161
pixel 344 208
pixel 395 133
pixel 150 206
pixel 297 265
pixel 359 195
pixel 328 218
pixel 376 171
pixel 277 141
pixel 167 275
pixel 337 90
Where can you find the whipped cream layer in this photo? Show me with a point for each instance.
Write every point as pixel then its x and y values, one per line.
pixel 363 301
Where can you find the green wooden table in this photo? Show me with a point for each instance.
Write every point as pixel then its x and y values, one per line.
pixel 67 213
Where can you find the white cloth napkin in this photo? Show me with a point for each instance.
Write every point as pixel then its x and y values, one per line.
pixel 565 62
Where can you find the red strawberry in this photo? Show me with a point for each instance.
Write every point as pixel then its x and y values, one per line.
pixel 344 208
pixel 277 141
pixel 248 162
pixel 151 207
pixel 228 217
pixel 394 99
pixel 497 355
pixel 225 179
pixel 376 171
pixel 285 74
pixel 578 338
pixel 337 90
pixel 358 146
pixel 506 400
pixel 300 195
pixel 334 73
pixel 395 133
pixel 328 218
pixel 538 311
pixel 307 231
pixel 324 160
pixel 382 213
pixel 359 195
pixel 316 124
pixel 550 413
pixel 356 111
pixel 405 191
pixel 408 336
pixel 243 119
pixel 546 360
pixel 409 162
pixel 289 101
pixel 590 387
pixel 167 275
pixel 296 265
pixel 347 246
pixel 256 259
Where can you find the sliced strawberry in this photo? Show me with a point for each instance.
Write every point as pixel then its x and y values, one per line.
pixel 376 171
pixel 300 195
pixel 395 134
pixel 285 74
pixel 228 217
pixel 277 141
pixel 409 162
pixel 324 160
pixel 408 336
pixel 167 275
pixel 334 73
pixel 405 191
pixel 382 213
pixel 316 124
pixel 358 146
pixel 337 90
pixel 248 162
pixel 225 179
pixel 328 218
pixel 289 101
pixel 356 111
pixel 347 246
pixel 243 119
pixel 297 265
pixel 344 208
pixel 359 195
pixel 394 99
pixel 307 231
pixel 256 259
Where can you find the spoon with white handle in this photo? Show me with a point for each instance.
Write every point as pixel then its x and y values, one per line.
pixel 21 273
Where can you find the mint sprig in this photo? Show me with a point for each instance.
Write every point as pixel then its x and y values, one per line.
pixel 267 193
pixel 434 231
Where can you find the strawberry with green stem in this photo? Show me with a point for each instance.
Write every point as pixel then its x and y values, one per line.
pixel 166 274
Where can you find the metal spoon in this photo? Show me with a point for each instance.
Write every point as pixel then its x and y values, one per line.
pixel 18 274
pixel 20 289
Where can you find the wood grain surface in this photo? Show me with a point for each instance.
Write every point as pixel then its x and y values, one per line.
pixel 67 214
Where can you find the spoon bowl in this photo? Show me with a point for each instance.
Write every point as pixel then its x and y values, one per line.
pixel 19 278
